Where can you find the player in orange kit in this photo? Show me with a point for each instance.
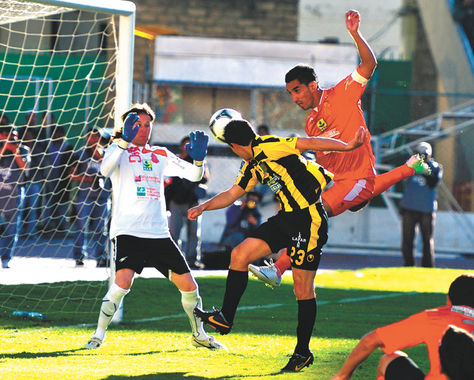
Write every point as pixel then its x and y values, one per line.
pixel 426 327
pixel 337 113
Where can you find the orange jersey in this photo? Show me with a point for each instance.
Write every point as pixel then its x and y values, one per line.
pixel 427 327
pixel 339 115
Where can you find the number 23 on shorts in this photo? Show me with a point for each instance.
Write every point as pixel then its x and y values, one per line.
pixel 297 256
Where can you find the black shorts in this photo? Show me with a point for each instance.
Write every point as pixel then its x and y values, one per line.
pixel 403 368
pixel 135 253
pixel 302 232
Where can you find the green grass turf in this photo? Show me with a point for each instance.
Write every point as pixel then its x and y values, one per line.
pixel 351 303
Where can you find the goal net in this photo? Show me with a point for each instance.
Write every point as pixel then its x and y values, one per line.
pixel 65 77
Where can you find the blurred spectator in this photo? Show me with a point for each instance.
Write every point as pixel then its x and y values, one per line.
pixel 4 119
pixel 91 202
pixel 13 164
pixel 418 207
pixel 63 159
pixel 456 354
pixel 181 195
pixel 463 13
pixel 36 175
pixel 263 130
pixel 241 219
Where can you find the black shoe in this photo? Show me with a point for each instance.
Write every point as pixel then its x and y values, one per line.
pixel 5 265
pixel 79 263
pixel 215 319
pixel 298 362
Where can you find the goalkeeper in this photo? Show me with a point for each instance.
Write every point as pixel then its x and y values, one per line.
pixel 139 226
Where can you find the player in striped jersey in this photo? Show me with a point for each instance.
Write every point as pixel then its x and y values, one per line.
pixel 300 226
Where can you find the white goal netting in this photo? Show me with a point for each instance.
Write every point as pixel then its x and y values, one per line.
pixel 57 95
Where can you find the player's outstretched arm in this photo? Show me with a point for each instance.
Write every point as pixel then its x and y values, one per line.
pixel 329 144
pixel 221 200
pixel 368 61
pixel 197 146
pixel 367 344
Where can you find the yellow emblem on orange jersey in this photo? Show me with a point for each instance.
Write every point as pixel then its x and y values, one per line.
pixel 321 124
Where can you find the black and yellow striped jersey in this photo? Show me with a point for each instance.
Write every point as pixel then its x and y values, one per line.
pixel 296 181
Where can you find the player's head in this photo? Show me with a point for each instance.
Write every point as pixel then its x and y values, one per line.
pixel 239 134
pixel 456 353
pixel 302 84
pixel 424 149
pixel 145 122
pixel 304 74
pixel 461 291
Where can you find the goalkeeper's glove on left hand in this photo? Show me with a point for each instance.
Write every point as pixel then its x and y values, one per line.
pixel 130 130
pixel 197 146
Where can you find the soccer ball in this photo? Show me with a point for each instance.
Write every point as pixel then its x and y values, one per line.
pixel 219 121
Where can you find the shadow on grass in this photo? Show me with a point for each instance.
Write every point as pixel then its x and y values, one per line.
pixel 184 375
pixel 36 355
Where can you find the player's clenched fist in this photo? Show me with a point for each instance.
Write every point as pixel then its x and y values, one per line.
pixel 352 20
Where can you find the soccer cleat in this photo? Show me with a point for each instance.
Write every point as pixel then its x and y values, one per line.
pixel 215 319
pixel 207 342
pixel 79 263
pixel 297 362
pixel 94 343
pixel 417 163
pixel 268 274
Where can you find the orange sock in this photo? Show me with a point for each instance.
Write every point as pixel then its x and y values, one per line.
pixel 386 180
pixel 283 263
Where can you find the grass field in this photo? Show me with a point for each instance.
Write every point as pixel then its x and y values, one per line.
pixel 153 342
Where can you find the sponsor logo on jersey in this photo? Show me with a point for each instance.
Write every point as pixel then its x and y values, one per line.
pixel 141 191
pixel 138 178
pixel 147 166
pixel 321 124
pixel 298 240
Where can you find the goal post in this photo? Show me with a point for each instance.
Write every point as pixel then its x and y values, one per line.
pixel 69 63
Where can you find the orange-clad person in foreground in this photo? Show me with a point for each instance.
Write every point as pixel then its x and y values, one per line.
pixel 337 113
pixel 426 327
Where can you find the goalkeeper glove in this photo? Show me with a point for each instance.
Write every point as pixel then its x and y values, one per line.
pixel 197 146
pixel 129 130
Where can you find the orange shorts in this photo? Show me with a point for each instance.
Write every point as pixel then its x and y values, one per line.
pixel 347 193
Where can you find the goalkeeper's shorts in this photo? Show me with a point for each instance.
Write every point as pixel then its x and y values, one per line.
pixel 135 253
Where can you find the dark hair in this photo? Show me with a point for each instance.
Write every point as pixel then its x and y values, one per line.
pixel 6 128
pixel 456 352
pixel 461 290
pixel 263 129
pixel 4 119
pixel 239 132
pixel 185 139
pixel 303 73
pixel 140 108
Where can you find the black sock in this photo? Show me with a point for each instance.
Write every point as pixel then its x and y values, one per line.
pixel 234 288
pixel 307 310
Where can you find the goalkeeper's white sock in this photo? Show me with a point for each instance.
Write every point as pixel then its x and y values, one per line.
pixel 110 304
pixel 190 300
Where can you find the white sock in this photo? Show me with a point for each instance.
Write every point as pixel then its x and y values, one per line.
pixel 190 300
pixel 110 304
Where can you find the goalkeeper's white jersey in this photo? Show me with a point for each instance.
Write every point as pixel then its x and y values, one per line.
pixel 137 175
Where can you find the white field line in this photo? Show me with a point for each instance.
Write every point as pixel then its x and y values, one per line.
pixel 241 308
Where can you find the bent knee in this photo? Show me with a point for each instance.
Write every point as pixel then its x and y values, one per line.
pixel 386 359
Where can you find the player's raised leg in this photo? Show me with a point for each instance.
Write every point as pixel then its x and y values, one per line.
pixel 249 250
pixel 414 165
